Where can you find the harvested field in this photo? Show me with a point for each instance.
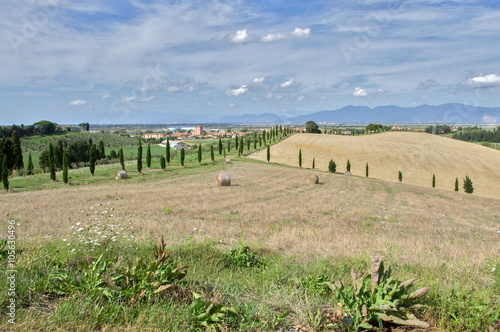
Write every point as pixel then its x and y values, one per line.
pixel 417 155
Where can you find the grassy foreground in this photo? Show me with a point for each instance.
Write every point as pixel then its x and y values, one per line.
pixel 306 236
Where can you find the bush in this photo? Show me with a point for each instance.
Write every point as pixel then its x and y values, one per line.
pixel 332 167
pixel 468 187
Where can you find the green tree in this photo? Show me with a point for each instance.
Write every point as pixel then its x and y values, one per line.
pixel 212 156
pixel 94 154
pixel 229 146
pixel 268 153
pixel 433 180
pixel 58 154
pixel 456 184
pixel 122 158
pixel 17 151
pixel 348 166
pixel 163 164
pixel 332 167
pixel 112 154
pixel 248 143
pixel 314 163
pixel 255 140
pixel 366 169
pixel 102 153
pixel 312 127
pixel 65 167
pixel 200 153
pixel 148 156
pixel 468 187
pixel 264 136
pixel 236 146
pixel 31 167
pixel 300 157
pixel 167 150
pixel 220 146
pixel 183 156
pixel 139 157
pixel 400 176
pixel 52 166
pixel 43 160
pixel 5 173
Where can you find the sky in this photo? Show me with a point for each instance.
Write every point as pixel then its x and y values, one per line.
pixel 117 61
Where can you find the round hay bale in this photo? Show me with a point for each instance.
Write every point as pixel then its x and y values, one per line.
pixel 312 178
pixel 223 180
pixel 120 175
pixel 228 160
pixel 348 173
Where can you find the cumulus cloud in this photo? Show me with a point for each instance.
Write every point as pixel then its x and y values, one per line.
pixel 77 102
pixel 427 84
pixel 258 80
pixel 484 81
pixel 288 83
pixel 359 92
pixel 240 36
pixel 237 91
pixel 298 32
pixel 128 99
pixel 273 37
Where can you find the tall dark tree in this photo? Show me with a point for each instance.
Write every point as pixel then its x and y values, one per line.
pixel 348 166
pixel 183 156
pixel 94 155
pixel 58 154
pixel 260 141
pixel 167 148
pixel 163 164
pixel 228 146
pixel 220 146
pixel 5 173
pixel 31 167
pixel 268 153
pixel 139 157
pixel 314 163
pixel 122 158
pixel 332 167
pixel 254 140
pixel 212 156
pixel 300 157
pixel 248 143
pixel 52 166
pixel 366 169
pixel 400 176
pixel 236 146
pixel 468 187
pixel 65 167
pixel 102 152
pixel 433 180
pixel 456 184
pixel 148 156
pixel 264 136
pixel 17 151
pixel 200 153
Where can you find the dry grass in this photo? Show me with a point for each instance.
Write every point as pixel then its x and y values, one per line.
pixel 417 155
pixel 273 208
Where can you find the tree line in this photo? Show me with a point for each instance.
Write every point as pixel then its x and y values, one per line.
pixel 43 127
pixel 475 134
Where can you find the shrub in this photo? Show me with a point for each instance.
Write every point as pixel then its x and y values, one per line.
pixel 348 166
pixel 468 187
pixel 332 167
pixel 400 176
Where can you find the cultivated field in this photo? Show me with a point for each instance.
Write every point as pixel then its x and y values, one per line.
pixel 416 155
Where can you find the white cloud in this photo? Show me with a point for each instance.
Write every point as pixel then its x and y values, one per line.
pixel 127 99
pixel 238 91
pixel 105 96
pixel 240 36
pixel 288 83
pixel 359 92
pixel 298 32
pixel 258 80
pixel 148 98
pixel 77 102
pixel 427 84
pixel 484 81
pixel 301 98
pixel 273 37
pixel 269 95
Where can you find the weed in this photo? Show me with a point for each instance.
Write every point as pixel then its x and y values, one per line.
pixel 212 316
pixel 242 257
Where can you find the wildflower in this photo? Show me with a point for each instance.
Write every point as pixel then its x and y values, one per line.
pixel 64 240
pixel 80 229
pixel 78 223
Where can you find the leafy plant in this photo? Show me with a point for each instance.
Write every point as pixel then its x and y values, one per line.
pixel 242 257
pixel 212 316
pixel 316 284
pixel 377 298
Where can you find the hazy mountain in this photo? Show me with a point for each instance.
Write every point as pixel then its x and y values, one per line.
pixel 251 118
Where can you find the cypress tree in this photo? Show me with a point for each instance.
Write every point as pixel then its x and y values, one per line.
pixel 260 141
pixel 264 136
pixel 93 158
pixel 268 153
pixel 314 162
pixel 332 167
pixel 300 158
pixel 168 150
pixel 348 166
pixel 200 152
pixel 220 146
pixel 400 176
pixel 102 153
pixel 255 140
pixel 248 143
pixel 162 162
pixel 5 173
pixel 148 156
pixel 139 157
pixel 52 166
pixel 31 167
pixel 228 146
pixel 468 187
pixel 183 156
pixel 433 180
pixel 17 151
pixel 212 156
pixel 122 160
pixel 58 154
pixel 65 167
pixel 456 184
pixel 236 143
pixel 366 169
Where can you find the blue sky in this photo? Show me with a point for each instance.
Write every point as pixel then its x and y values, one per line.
pixel 114 61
